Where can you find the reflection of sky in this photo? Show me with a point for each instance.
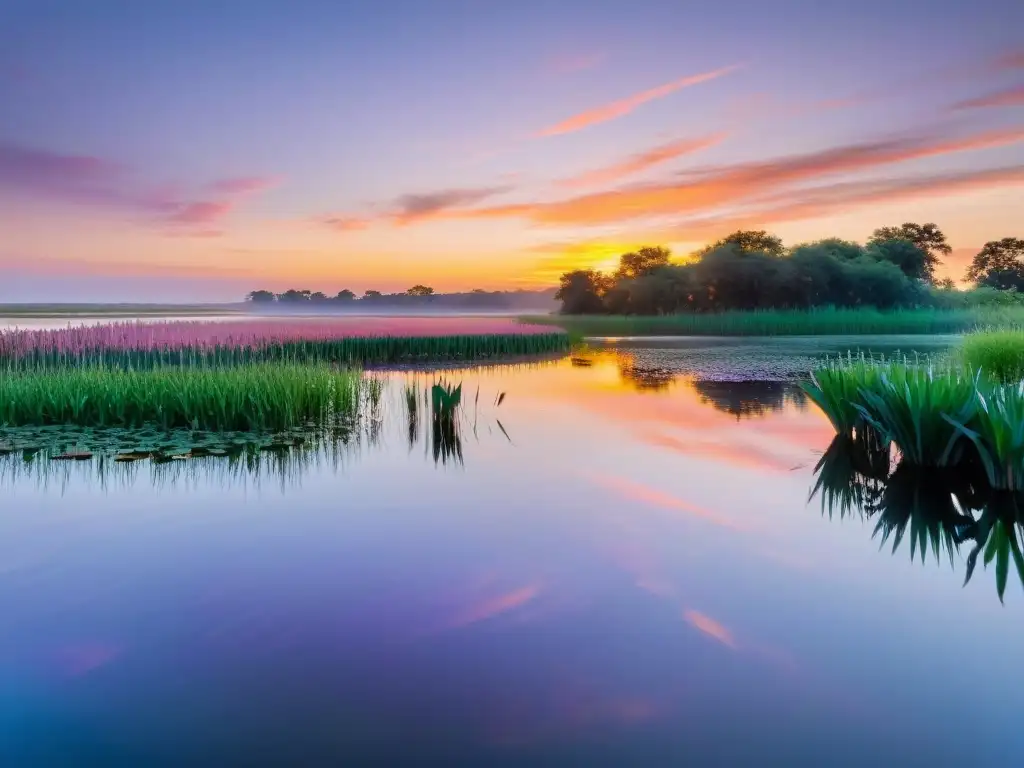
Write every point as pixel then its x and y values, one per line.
pixel 584 587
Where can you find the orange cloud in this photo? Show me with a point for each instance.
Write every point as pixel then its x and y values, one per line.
pixel 624 106
pixel 710 627
pixel 704 190
pixel 641 161
pixel 1009 97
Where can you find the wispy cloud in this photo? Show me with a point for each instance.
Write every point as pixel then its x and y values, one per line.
pixel 1007 97
pixel 644 494
pixel 411 207
pixel 641 161
pixel 624 106
pixel 1010 60
pixel 705 191
pixel 93 181
pixel 570 63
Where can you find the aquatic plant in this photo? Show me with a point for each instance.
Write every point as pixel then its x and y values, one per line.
pixel 240 342
pixel 777 322
pixel 835 388
pixel 996 353
pixel 993 420
pixel 250 397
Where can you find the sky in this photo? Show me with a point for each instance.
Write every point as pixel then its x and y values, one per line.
pixel 194 151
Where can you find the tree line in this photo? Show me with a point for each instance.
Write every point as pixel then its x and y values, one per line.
pixel 750 270
pixel 418 295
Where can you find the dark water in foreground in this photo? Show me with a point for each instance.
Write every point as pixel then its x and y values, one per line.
pixel 633 576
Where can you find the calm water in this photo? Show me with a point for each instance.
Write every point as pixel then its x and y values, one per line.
pixel 625 571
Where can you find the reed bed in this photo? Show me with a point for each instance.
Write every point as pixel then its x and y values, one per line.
pixel 825 321
pixel 244 397
pixel 997 353
pixel 348 341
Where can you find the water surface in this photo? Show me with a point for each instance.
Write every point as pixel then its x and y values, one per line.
pixel 625 571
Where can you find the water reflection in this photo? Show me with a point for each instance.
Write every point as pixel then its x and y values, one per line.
pixel 750 399
pixel 923 508
pixel 58 457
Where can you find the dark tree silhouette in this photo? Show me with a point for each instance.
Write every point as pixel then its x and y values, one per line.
pixel 642 262
pixel 999 264
pixel 261 297
pixel 581 291
pixel 293 295
pixel 420 290
pixel 345 295
pixel 927 237
pixel 749 241
pixel 372 295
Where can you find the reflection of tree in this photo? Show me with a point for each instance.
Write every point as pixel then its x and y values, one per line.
pixel 923 508
pixel 645 378
pixel 746 399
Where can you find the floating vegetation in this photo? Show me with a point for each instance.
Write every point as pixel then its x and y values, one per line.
pixel 249 397
pixel 925 509
pixel 348 341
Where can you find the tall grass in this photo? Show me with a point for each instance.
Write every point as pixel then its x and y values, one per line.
pixel 812 322
pixel 997 353
pixel 149 345
pixel 249 397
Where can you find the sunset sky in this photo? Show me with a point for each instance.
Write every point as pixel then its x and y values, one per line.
pixel 187 150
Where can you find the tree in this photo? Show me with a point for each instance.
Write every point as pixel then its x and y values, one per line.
pixel 946 284
pixel 370 295
pixel 345 295
pixel 319 296
pixel 909 257
pixel 642 262
pixel 260 297
pixel 581 292
pixel 750 241
pixel 292 295
pixel 927 237
pixel 420 290
pixel 999 264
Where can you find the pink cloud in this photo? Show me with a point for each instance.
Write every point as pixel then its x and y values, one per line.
pixel 1008 97
pixel 641 161
pixel 710 627
pixel 202 212
pixel 244 185
pixel 568 64
pixel 623 107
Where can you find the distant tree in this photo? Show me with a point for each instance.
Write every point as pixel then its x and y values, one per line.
pixel 345 295
pixel 293 295
pixel 750 241
pixel 318 296
pixel 841 249
pixel 581 292
pixel 999 264
pixel 420 290
pixel 642 262
pixel 261 297
pixel 479 290
pixel 370 295
pixel 946 284
pixel 927 237
pixel 912 259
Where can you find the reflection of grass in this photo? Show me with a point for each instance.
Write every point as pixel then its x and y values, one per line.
pixel 925 508
pixel 813 322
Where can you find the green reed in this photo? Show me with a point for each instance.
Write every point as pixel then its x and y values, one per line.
pixel 352 351
pixel 246 397
pixel 997 353
pixel 823 321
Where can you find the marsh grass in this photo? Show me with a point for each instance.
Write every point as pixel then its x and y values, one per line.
pixel 249 397
pixel 997 353
pixel 824 321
